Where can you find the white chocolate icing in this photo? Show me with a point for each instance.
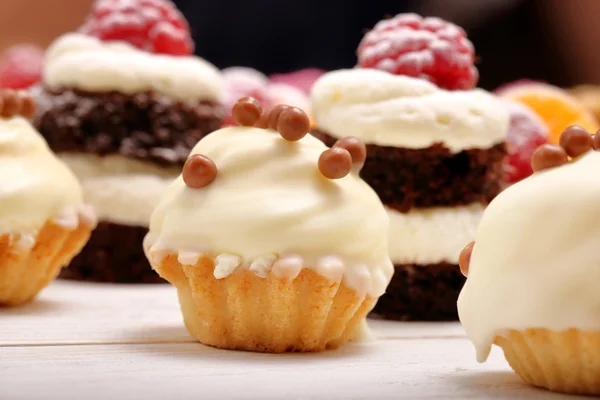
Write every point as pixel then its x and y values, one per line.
pixel 536 260
pixel 391 110
pixel 270 198
pixel 34 185
pixel 86 63
pixel 121 190
pixel 432 235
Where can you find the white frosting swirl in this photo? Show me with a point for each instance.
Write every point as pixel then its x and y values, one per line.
pixel 391 110
pixel 269 197
pixel 536 262
pixel 34 185
pixel 82 62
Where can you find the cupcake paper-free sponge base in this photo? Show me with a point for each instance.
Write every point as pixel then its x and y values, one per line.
pixel 567 361
pixel 24 271
pixel 246 312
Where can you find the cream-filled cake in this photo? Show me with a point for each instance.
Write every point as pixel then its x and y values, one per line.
pixel 43 219
pixel 124 120
pixel 273 241
pixel 436 146
pixel 534 271
pixel 435 160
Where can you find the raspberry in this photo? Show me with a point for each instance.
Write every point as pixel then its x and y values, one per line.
pixel 152 25
pixel 21 66
pixel 526 133
pixel 427 48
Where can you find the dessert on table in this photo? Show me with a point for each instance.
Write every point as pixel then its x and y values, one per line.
pixel 43 220
pixel 271 238
pixel 436 148
pixel 123 109
pixel 534 269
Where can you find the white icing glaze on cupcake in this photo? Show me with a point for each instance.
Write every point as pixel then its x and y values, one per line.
pixel 270 209
pixel 536 260
pixel 392 110
pixel 82 62
pixel 34 185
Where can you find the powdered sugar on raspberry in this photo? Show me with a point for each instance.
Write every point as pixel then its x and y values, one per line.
pixel 427 48
pixel 152 25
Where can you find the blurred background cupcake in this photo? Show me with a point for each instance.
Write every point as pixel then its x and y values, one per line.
pixel 123 108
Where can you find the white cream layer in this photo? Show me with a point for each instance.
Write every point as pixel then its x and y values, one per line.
pixel 536 260
pixel 269 201
pixel 82 62
pixel 35 186
pixel 121 190
pixel 391 110
pixel 432 235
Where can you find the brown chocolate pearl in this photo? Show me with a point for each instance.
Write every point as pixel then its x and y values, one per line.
pixel 293 124
pixel 263 121
pixel 355 147
pixel 596 141
pixel 246 111
pixel 335 163
pixel 274 115
pixel 548 156
pixel 575 140
pixel 27 105
pixel 464 259
pixel 199 171
pixel 12 103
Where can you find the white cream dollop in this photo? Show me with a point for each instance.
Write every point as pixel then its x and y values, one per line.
pixel 34 185
pixel 391 110
pixel 86 63
pixel 270 198
pixel 536 260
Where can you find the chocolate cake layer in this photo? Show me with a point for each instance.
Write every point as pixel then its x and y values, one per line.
pixel 421 293
pixel 113 254
pixel 406 178
pixel 145 126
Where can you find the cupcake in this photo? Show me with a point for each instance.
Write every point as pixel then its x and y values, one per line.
pixel 43 221
pixel 534 270
pixel 124 120
pixel 435 147
pixel 272 240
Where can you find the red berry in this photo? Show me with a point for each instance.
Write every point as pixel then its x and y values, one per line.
pixel 427 48
pixel 526 133
pixel 21 66
pixel 152 25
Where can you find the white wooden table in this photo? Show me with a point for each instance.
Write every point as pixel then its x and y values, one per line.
pixel 91 341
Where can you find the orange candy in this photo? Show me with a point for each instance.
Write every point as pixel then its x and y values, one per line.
pixel 554 106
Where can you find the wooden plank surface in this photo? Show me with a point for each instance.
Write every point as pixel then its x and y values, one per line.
pixel 390 369
pixel 83 313
pixel 83 341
